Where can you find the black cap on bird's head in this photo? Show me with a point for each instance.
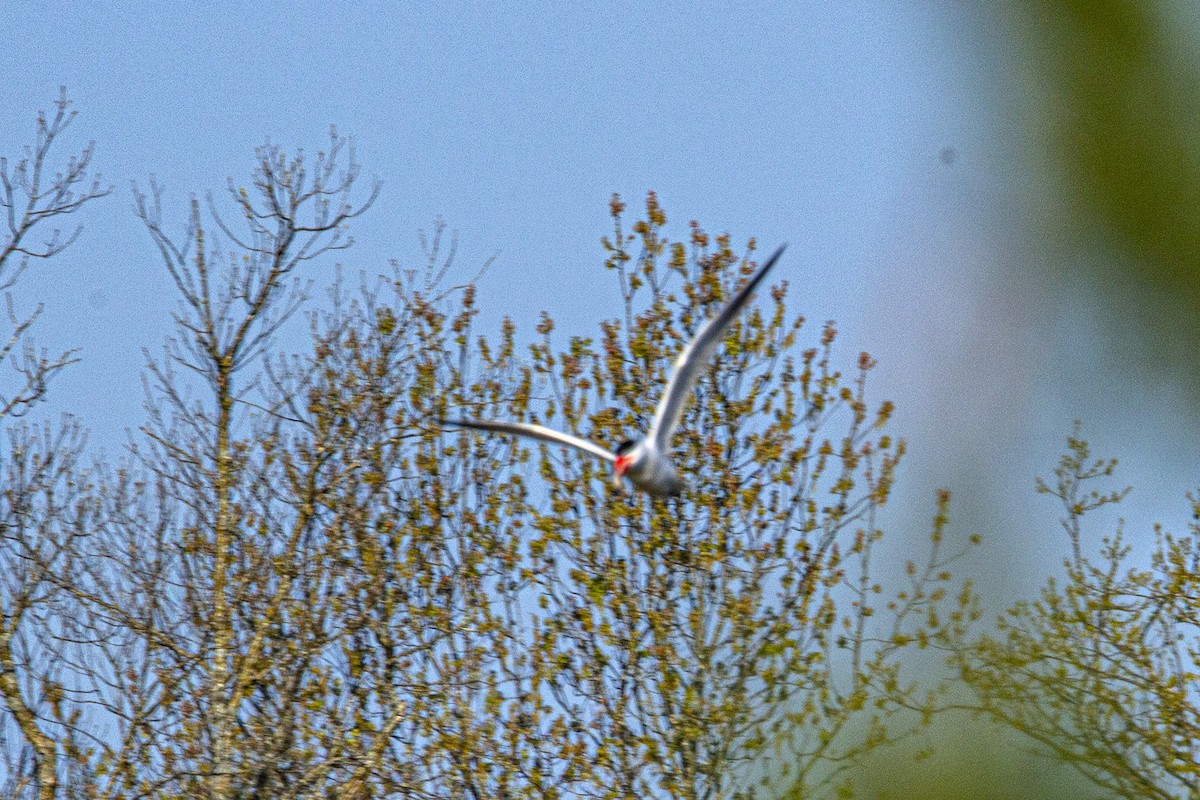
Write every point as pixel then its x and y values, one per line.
pixel 625 446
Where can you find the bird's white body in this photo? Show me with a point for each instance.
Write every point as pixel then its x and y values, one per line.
pixel 645 462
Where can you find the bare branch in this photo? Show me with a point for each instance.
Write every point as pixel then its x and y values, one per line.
pixel 30 194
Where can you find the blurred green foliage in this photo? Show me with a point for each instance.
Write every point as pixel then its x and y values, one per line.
pixel 1117 103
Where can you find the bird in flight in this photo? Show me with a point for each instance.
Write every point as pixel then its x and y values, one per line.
pixel 646 463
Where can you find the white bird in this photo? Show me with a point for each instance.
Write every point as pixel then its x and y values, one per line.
pixel 645 462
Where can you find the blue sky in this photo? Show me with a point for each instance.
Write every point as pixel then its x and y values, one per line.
pixel 806 124
pixel 820 124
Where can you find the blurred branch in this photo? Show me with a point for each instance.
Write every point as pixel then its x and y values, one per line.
pixel 1101 669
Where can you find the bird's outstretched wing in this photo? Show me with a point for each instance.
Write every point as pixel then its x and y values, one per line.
pixel 691 362
pixel 534 432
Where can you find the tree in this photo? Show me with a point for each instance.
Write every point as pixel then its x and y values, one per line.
pixel 41 465
pixel 299 585
pixel 210 584
pixel 1102 668
pixel 690 639
pixel 32 194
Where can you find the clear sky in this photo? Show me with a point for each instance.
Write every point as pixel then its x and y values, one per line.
pixel 881 140
pixel 804 123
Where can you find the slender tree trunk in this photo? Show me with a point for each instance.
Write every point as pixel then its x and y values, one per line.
pixel 45 753
pixel 223 696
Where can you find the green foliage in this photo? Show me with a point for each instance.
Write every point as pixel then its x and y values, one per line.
pixel 1113 97
pixel 700 642
pixel 1117 122
pixel 1102 668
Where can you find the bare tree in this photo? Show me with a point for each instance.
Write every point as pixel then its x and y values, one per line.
pixel 33 194
pixel 238 535
pixel 203 547
pixel 40 490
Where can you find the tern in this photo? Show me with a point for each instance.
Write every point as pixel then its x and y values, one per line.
pixel 646 463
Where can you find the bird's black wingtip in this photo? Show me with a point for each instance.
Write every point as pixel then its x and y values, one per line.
pixel 765 266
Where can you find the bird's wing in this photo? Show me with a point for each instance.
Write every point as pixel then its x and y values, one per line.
pixel 695 356
pixel 534 432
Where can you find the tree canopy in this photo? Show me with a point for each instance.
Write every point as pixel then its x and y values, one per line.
pixel 297 583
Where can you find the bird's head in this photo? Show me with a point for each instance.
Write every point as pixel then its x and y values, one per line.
pixel 626 456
